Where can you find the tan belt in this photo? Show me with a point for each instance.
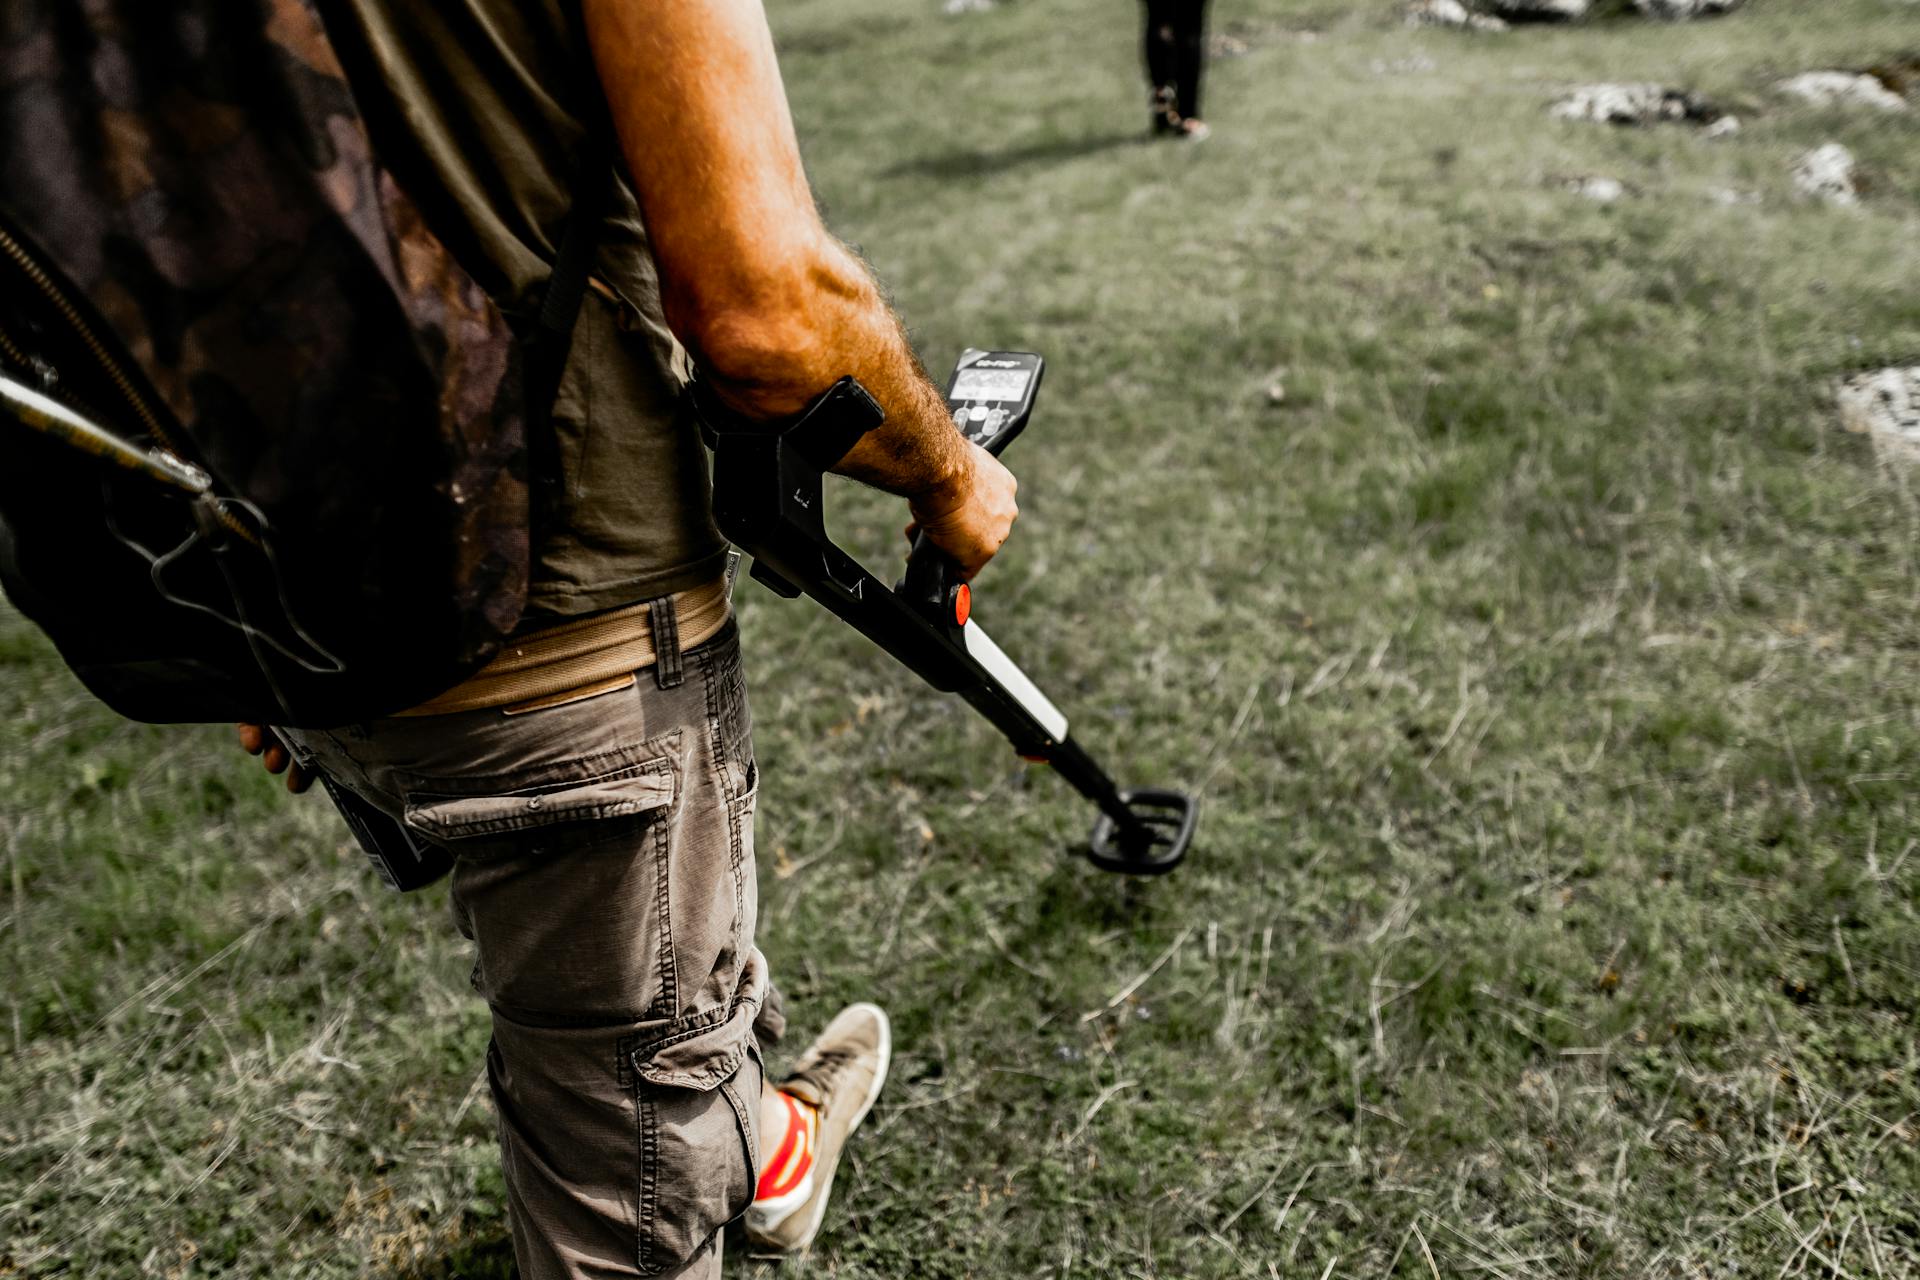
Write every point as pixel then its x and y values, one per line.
pixel 580 659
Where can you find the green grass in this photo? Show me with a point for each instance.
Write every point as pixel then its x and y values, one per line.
pixel 1547 661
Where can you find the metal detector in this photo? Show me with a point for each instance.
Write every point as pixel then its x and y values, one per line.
pixel 767 498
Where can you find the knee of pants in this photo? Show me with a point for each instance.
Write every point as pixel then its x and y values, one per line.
pixel 631 1145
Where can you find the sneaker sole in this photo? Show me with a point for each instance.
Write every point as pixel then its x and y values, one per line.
pixel 866 1104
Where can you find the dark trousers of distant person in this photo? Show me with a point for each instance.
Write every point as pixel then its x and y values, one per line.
pixel 1176 52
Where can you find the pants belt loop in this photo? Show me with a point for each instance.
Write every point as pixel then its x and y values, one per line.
pixel 668 670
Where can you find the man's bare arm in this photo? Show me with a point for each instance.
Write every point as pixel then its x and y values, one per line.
pixel 773 308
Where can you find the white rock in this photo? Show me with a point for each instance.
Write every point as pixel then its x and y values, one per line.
pixel 1632 104
pixel 1679 10
pixel 1827 173
pixel 1884 404
pixel 1731 196
pixel 966 6
pixel 1601 190
pixel 1842 89
pixel 1540 10
pixel 1724 127
pixel 1450 13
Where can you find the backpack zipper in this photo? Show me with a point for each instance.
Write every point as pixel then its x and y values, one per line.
pixel 13 353
pixel 31 269
pixel 173 457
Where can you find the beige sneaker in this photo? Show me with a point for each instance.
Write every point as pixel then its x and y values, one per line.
pixel 840 1074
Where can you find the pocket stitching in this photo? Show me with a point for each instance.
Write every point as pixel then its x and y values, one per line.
pixel 739 840
pixel 648 1209
pixel 663 905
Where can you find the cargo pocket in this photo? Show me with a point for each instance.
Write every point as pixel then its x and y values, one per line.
pixel 584 790
pixel 696 1089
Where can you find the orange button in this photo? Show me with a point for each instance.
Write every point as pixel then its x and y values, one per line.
pixel 962 604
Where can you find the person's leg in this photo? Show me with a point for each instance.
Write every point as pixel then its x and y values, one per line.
pixel 1190 57
pixel 604 871
pixel 1163 72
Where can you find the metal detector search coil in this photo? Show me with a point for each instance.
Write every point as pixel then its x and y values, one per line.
pixel 767 498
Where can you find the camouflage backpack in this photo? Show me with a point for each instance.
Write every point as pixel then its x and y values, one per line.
pixel 262 442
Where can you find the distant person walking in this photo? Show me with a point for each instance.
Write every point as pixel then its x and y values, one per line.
pixel 1176 49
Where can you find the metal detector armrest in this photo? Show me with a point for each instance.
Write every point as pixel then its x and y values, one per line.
pixel 768 501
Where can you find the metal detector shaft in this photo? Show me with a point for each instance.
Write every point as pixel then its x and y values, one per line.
pixel 768 500
pixel 48 416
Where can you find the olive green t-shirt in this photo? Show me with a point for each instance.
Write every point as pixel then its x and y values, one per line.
pixel 477 108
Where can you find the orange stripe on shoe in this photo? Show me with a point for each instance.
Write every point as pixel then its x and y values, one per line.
pixel 794 1160
pixel 789 1144
pixel 800 1164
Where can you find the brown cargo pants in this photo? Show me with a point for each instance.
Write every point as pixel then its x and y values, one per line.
pixel 604 870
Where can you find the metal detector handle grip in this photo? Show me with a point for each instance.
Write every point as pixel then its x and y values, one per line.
pixel 932 581
pixel 933 584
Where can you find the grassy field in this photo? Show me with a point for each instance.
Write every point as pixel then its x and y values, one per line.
pixel 1549 664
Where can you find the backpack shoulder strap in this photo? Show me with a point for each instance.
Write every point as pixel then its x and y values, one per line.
pixel 551 342
pixel 552 338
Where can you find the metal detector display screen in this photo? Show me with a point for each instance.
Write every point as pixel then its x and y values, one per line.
pixel 990 384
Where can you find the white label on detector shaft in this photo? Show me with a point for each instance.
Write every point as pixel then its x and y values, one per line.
pixel 1011 678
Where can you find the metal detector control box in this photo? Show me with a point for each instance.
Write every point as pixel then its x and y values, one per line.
pixel 991 394
pixel 767 498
